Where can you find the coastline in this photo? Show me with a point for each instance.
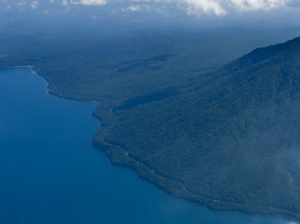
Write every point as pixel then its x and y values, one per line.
pixel 51 87
pixel 117 155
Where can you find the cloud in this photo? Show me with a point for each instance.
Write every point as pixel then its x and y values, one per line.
pixel 192 7
pixel 250 5
pixel 137 8
pixel 222 7
pixel 133 8
pixel 21 3
pixel 45 12
pixel 64 2
pixel 219 7
pixel 89 2
pixel 34 4
pixel 199 7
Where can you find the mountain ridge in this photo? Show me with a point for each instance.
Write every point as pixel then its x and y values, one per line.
pixel 206 142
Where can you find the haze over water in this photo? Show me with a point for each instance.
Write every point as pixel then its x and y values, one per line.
pixel 50 173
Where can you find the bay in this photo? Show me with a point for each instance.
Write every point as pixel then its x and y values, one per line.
pixel 51 174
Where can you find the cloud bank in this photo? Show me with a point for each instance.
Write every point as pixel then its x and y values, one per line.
pixel 211 7
pixel 247 5
pixel 89 2
pixel 192 7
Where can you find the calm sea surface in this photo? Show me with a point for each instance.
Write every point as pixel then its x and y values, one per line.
pixel 51 174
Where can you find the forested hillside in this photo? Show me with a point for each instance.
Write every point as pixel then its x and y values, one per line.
pixel 230 141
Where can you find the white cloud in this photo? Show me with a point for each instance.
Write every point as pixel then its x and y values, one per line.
pixel 133 8
pixel 64 2
pixel 137 8
pixel 199 7
pixel 46 12
pixel 218 7
pixel 34 4
pixel 21 3
pixel 89 2
pixel 221 7
pixel 250 5
pixel 192 7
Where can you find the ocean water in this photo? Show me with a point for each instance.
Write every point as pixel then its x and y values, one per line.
pixel 51 174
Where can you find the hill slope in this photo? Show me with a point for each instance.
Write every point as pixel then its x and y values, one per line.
pixel 230 141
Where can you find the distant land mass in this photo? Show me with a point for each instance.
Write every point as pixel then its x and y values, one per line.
pixel 225 138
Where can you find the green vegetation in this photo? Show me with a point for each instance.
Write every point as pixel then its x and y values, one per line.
pixel 230 143
pixel 227 138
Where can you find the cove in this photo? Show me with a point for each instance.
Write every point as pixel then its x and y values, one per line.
pixel 50 172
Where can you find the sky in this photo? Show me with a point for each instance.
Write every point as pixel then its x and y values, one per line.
pixel 197 8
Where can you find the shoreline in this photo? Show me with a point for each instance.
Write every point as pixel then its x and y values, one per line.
pixel 117 155
pixel 122 159
pixel 49 82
